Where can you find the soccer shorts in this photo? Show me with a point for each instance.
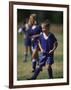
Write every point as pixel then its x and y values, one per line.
pixel 34 45
pixel 50 60
pixel 43 59
pixel 27 42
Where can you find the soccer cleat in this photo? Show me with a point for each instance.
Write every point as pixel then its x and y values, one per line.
pixel 30 78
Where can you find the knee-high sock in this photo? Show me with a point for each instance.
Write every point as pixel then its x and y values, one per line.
pixel 34 64
pixel 50 73
pixel 36 73
pixel 37 61
pixel 25 57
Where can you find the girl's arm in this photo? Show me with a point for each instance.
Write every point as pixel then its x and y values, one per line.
pixel 54 47
pixel 40 46
pixel 35 36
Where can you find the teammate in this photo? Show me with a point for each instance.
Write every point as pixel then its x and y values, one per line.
pixel 34 32
pixel 27 39
pixel 47 44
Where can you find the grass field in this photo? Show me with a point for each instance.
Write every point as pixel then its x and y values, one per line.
pixel 24 70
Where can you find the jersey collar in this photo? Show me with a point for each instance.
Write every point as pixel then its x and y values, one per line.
pixel 45 36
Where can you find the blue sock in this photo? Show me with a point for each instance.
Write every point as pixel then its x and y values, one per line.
pixel 37 61
pixel 36 73
pixel 34 64
pixel 50 74
pixel 25 57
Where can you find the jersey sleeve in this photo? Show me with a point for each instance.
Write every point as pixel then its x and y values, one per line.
pixel 53 38
pixel 19 30
pixel 25 28
pixel 34 31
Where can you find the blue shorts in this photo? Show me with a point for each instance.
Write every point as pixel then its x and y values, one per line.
pixel 50 60
pixel 34 45
pixel 27 42
pixel 43 59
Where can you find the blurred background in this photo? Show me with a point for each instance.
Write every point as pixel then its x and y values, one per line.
pixel 55 17
pixel 56 27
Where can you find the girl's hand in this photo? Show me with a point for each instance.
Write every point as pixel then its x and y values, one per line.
pixel 51 51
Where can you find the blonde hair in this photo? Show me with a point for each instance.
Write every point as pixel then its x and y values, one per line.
pixel 32 17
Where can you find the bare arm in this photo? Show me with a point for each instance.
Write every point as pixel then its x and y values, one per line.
pixel 40 46
pixel 34 53
pixel 34 36
pixel 54 47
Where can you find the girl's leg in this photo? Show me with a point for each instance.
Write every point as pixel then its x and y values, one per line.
pixel 25 53
pixel 37 57
pixel 29 49
pixel 50 72
pixel 34 59
pixel 38 69
pixel 36 73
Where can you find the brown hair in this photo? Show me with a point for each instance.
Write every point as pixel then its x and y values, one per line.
pixel 46 23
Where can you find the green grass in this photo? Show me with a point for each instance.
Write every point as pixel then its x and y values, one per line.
pixel 24 70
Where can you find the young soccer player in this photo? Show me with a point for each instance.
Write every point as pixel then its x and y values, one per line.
pixel 47 44
pixel 34 32
pixel 27 39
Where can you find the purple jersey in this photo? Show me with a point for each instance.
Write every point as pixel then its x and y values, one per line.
pixel 27 39
pixel 32 32
pixel 25 30
pixel 47 43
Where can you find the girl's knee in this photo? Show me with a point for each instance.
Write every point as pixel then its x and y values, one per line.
pixel 49 66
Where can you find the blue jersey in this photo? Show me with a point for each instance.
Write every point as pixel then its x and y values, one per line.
pixel 27 39
pixel 25 30
pixel 47 43
pixel 34 30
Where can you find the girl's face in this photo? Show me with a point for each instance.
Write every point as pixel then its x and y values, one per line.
pixel 44 28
